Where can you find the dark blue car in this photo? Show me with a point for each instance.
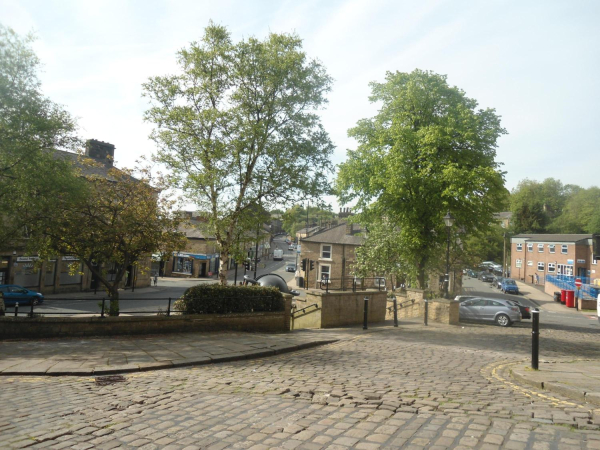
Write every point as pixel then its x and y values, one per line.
pixel 18 294
pixel 509 286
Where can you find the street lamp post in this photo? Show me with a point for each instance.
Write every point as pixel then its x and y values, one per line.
pixel 449 221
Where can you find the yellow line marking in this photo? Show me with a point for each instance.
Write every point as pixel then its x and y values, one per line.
pixel 495 376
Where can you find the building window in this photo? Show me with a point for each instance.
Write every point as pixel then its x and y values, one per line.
pixel 530 263
pixel 564 249
pixel 182 264
pixel 540 248
pixel 519 247
pixel 541 266
pixel 518 263
pixel 529 247
pixel 551 248
pixel 594 261
pixel 325 272
pixel 325 251
pixel 551 267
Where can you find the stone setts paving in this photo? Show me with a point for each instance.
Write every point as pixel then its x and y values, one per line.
pixel 409 387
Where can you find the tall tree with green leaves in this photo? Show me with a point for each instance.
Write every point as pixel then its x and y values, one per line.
pixel 581 213
pixel 428 151
pixel 238 126
pixel 534 205
pixel 31 127
pixel 119 222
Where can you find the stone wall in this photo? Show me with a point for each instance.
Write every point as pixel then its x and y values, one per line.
pixel 412 306
pixel 336 309
pixel 45 327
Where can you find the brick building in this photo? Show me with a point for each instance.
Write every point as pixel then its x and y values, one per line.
pixel 333 252
pixel 533 256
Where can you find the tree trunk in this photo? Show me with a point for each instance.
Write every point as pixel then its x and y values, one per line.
pixel 223 265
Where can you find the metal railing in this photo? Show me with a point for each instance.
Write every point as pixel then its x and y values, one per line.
pixel 29 310
pixel 568 282
pixel 298 311
pixel 352 284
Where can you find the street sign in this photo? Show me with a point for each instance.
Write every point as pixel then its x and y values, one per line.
pixel 578 282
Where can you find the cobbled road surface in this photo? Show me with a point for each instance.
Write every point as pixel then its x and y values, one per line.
pixel 409 387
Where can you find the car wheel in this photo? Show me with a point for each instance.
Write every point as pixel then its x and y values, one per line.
pixel 503 320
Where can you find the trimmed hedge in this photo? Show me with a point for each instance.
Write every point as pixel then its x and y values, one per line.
pixel 218 299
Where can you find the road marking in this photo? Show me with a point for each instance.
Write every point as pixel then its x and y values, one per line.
pixel 495 376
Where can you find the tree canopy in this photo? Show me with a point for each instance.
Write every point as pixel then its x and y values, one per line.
pixel 31 127
pixel 238 126
pixel 120 222
pixel 429 150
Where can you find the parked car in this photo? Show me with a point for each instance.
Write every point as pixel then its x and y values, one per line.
pixel 462 298
pixel 486 276
pixel 290 268
pixel 525 310
pixel 500 311
pixel 497 283
pixel 509 286
pixel 13 294
pixel 470 273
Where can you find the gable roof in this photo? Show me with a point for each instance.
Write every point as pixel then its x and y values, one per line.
pixel 337 235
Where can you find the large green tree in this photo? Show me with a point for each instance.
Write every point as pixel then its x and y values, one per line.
pixel 581 213
pixel 238 126
pixel 534 205
pixel 429 150
pixel 31 127
pixel 119 222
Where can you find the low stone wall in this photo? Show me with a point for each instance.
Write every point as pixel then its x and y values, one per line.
pixel 336 309
pixel 413 306
pixel 44 327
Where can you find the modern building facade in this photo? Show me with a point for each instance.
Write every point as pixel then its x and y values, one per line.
pixel 534 256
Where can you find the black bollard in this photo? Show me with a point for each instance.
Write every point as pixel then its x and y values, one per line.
pixel 535 339
pixel 395 312
pixel 169 308
pixel 366 313
pixel 426 311
pixel 16 309
pixel 31 312
pixel 102 312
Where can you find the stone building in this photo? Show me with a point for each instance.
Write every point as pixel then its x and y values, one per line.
pixel 58 274
pixel 333 252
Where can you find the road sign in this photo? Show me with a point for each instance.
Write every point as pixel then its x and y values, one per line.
pixel 578 282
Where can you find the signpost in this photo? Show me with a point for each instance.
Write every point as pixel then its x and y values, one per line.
pixel 578 286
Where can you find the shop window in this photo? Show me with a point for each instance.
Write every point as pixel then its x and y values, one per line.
pixel 70 271
pixel 182 264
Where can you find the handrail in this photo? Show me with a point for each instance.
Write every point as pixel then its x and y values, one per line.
pixel 306 307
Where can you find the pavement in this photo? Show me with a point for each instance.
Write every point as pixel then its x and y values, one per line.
pixel 413 386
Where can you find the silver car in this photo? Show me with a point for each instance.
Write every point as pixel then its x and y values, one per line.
pixel 490 309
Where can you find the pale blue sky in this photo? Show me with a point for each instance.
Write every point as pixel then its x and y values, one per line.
pixel 536 62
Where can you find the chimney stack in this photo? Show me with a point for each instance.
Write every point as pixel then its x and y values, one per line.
pixel 100 151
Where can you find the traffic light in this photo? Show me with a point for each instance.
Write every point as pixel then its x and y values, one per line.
pixel 304 264
pixel 247 265
pixel 312 265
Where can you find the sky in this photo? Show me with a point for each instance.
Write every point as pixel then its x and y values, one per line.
pixel 535 61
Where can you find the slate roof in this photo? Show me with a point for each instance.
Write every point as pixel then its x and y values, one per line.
pixel 553 237
pixel 337 235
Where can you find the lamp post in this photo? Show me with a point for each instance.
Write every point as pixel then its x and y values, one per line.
pixel 449 221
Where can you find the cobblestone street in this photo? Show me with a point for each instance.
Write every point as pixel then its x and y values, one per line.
pixel 409 387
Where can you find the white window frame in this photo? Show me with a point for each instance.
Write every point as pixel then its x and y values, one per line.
pixel 551 267
pixel 530 263
pixel 328 272
pixel 519 247
pixel 551 248
pixel 541 266
pixel 564 249
pixel 530 247
pixel 323 251
pixel 540 248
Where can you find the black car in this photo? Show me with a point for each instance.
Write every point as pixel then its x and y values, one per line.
pixel 525 310
pixel 486 277
pixel 290 268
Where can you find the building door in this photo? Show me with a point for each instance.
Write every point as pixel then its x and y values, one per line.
pixel 581 272
pixel 3 276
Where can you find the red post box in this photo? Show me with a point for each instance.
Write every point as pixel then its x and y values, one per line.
pixel 563 296
pixel 570 299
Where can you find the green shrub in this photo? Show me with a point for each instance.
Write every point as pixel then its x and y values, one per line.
pixel 218 299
